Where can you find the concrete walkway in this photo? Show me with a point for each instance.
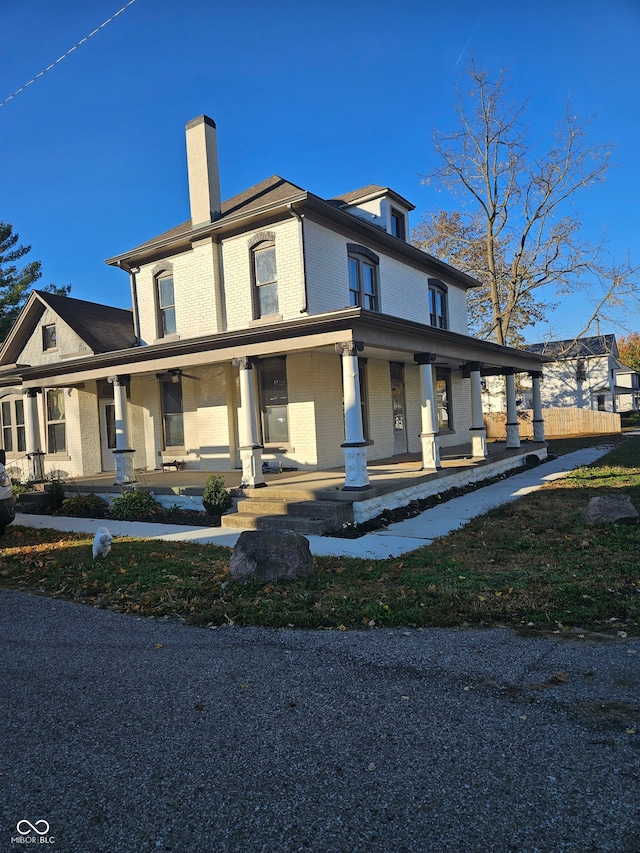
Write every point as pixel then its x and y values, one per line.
pixel 392 541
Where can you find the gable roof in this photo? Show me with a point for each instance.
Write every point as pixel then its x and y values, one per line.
pixel 581 348
pixel 101 327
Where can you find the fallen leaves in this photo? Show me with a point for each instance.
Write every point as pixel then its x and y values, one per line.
pixel 557 679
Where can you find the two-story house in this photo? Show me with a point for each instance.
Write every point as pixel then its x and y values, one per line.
pixel 274 326
pixel 585 374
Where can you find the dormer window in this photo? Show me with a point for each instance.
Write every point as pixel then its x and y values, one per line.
pixel 49 337
pixel 398 224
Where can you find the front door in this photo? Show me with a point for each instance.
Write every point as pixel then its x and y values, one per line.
pixel 108 434
pixel 399 415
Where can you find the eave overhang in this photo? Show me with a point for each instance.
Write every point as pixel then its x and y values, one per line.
pixel 378 332
pixel 303 203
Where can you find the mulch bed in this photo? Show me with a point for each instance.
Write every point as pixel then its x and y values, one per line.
pixel 415 507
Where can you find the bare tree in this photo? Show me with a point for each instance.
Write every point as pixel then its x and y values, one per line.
pixel 517 233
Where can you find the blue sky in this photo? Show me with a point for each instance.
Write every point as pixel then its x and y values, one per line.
pixel 332 96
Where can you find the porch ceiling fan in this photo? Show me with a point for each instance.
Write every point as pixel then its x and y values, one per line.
pixel 176 375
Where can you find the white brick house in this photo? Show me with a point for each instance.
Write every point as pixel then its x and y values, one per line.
pixel 274 327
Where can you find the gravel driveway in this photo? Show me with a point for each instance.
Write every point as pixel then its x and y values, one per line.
pixel 126 734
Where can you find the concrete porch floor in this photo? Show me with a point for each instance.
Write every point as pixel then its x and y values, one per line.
pixel 387 475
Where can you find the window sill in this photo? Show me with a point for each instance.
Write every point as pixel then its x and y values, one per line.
pixel 174 451
pixel 262 321
pixel 58 457
pixel 167 339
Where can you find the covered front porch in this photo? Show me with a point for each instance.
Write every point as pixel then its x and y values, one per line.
pixel 315 501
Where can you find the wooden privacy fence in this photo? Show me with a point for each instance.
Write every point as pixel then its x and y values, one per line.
pixel 557 421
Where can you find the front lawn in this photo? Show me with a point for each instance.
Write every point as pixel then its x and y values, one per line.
pixel 532 563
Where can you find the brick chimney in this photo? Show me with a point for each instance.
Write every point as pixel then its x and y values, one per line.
pixel 202 166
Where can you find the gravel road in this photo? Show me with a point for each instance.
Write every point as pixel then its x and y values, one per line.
pixel 127 734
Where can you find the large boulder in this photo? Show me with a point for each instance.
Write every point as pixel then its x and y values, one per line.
pixel 268 555
pixel 609 509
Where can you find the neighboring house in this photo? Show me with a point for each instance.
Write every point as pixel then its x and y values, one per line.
pixel 585 374
pixel 274 327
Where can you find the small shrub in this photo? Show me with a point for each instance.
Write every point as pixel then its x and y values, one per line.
pixel 84 506
pixel 19 488
pixel 132 506
pixel 215 498
pixel 55 495
pixel 630 419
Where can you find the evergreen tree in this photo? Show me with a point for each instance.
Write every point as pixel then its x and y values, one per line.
pixel 16 282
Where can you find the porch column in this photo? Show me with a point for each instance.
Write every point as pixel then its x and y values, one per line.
pixel 429 435
pixel 123 454
pixel 250 446
pixel 513 430
pixel 35 454
pixel 478 429
pixel 355 446
pixel 538 420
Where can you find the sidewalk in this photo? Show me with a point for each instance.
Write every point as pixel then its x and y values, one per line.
pixel 392 541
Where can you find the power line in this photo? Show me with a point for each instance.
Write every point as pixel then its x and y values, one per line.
pixel 64 55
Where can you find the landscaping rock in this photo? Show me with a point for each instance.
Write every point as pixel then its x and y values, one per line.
pixel 608 509
pixel 269 555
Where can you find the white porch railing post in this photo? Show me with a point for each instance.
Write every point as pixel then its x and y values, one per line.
pixel 538 420
pixel 429 435
pixel 354 446
pixel 478 429
pixel 250 446
pixel 513 430
pixel 123 453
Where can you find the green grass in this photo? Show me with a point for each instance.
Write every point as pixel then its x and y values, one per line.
pixel 531 563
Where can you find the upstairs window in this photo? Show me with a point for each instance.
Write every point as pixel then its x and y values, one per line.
pixel 363 278
pixel 166 305
pixel 438 309
pixel 265 280
pixel 397 224
pixel 49 337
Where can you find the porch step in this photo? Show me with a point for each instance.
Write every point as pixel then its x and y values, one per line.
pixel 307 516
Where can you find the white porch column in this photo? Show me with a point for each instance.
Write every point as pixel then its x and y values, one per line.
pixel 429 435
pixel 250 446
pixel 538 420
pixel 478 429
pixel 123 453
pixel 32 436
pixel 513 430
pixel 355 446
